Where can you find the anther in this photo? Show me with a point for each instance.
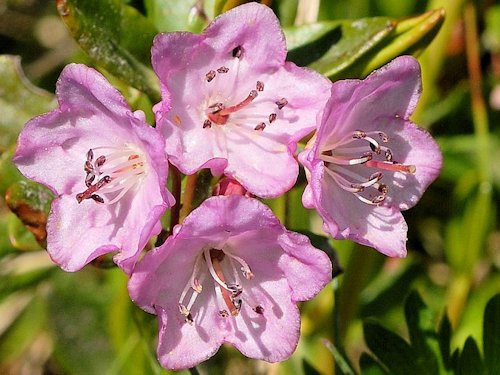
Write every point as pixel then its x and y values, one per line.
pixel 237 52
pixel 359 134
pixel 186 314
pixel 260 126
pixel 383 137
pixel 223 69
pixel 378 199
pixel 217 107
pixel 272 117
pixel 100 160
pixel 383 189
pixel 207 124
pixel 97 198
pixel 89 179
pixel 259 86
pixel 259 309
pixel 223 313
pixel 210 75
pixel 90 155
pixel 89 168
pixel 281 103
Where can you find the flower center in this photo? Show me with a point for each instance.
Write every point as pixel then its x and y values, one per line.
pixel 220 111
pixel 115 172
pixel 354 157
pixel 221 266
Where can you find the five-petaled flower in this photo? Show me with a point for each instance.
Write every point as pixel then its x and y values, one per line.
pixel 232 104
pixel 106 166
pixel 230 273
pixel 368 161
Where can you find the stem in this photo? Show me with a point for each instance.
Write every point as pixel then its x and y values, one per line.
pixel 174 213
pixel 188 196
pixel 176 192
pixel 194 371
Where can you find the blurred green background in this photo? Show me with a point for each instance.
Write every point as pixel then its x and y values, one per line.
pixel 52 322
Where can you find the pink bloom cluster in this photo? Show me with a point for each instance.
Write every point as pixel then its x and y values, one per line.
pixel 230 272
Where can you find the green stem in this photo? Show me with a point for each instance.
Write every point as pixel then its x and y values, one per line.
pixel 194 371
pixel 188 196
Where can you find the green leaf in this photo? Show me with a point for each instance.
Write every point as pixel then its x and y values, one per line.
pixel 15 282
pixel 423 338
pixel 391 350
pixel 369 365
pixel 8 171
pixel 31 203
pixel 21 333
pixel 491 335
pixel 19 236
pixel 332 47
pixel 388 289
pixel 444 336
pixel 116 36
pixel 309 369
pixel 410 36
pixel 78 306
pixel 341 360
pixel 19 100
pixel 470 362
pixel 175 15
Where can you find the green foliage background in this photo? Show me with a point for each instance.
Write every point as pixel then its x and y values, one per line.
pixel 52 322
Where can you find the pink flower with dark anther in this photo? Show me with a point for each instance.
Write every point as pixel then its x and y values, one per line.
pixel 368 161
pixel 105 165
pixel 231 273
pixel 232 104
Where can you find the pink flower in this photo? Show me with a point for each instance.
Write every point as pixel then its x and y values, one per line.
pixel 231 103
pixel 368 160
pixel 230 273
pixel 106 166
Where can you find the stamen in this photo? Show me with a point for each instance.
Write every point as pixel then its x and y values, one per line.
pixel 90 155
pixel 210 75
pixel 272 117
pixel 226 111
pixel 207 124
pixel 345 160
pixel 186 314
pixel 100 161
pixel 245 268
pixel 260 126
pixel 223 69
pixel 281 103
pixel 259 309
pixel 259 86
pixel 237 52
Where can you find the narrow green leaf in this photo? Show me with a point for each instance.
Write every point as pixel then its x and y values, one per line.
pixel 444 336
pixel 332 47
pixel 470 362
pixel 391 350
pixel 341 359
pixel 19 100
pixel 12 283
pixel 491 335
pixel 410 36
pixel 21 333
pixel 388 289
pixel 116 36
pixel 309 369
pixel 423 338
pixel 369 365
